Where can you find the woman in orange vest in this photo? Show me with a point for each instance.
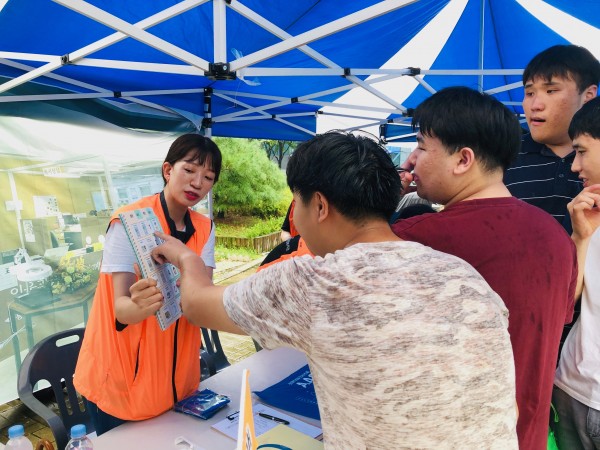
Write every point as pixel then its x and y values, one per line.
pixel 128 368
pixel 288 229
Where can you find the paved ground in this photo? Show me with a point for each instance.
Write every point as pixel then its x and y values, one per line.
pixel 236 348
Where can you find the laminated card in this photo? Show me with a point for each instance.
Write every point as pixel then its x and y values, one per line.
pixel 140 225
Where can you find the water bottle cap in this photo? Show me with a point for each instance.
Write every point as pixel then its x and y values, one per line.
pixel 78 431
pixel 15 431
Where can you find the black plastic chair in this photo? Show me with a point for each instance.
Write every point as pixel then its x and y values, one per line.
pixel 53 359
pixel 212 356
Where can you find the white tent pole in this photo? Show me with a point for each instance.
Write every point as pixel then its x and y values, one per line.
pixel 300 99
pixel 181 69
pixel 297 127
pixel 481 43
pixel 348 116
pixel 267 117
pixel 54 76
pixel 249 14
pixel 90 87
pixel 264 115
pixel 346 106
pixel 219 31
pixel 473 72
pixel 335 26
pixel 102 43
pixel 508 87
pixel 425 84
pixel 134 32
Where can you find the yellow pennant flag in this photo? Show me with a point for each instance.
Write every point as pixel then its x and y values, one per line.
pixel 246 434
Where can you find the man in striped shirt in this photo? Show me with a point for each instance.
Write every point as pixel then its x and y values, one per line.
pixel 558 81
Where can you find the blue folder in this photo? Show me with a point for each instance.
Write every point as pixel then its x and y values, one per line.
pixel 295 394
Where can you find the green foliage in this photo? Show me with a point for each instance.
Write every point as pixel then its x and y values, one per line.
pixel 235 254
pixel 249 183
pixel 259 227
pixel 277 150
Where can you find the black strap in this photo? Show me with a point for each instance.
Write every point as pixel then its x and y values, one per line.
pixel 183 236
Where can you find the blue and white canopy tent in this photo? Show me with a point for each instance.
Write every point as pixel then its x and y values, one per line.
pixel 268 69
pixel 481 44
pixel 73 72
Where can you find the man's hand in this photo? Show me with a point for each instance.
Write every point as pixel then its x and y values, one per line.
pixel 585 212
pixel 172 250
pixel 406 176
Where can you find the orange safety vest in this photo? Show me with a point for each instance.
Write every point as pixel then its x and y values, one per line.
pixel 302 250
pixel 141 371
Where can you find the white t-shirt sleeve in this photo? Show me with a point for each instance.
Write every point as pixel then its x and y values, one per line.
pixel 119 256
pixel 118 253
pixel 208 251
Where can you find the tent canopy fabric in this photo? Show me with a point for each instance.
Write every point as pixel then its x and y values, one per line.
pixel 260 69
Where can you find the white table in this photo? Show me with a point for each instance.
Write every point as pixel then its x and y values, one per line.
pixel 266 368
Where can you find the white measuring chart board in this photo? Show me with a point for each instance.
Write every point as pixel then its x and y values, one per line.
pixel 140 225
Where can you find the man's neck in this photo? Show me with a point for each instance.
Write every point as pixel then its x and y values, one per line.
pixel 561 150
pixel 491 187
pixel 371 231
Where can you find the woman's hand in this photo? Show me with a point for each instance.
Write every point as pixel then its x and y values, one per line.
pixel 135 301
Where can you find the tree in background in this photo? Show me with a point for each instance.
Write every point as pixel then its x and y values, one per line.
pixel 249 183
pixel 278 149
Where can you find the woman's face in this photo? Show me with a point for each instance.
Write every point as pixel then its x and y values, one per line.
pixel 188 182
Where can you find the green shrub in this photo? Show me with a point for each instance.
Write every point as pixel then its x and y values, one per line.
pixel 257 227
pixel 264 227
pixel 235 254
pixel 249 183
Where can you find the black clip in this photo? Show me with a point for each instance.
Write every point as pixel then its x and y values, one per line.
pixel 219 71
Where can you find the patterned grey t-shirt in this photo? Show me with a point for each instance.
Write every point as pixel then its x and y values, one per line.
pixel 408 347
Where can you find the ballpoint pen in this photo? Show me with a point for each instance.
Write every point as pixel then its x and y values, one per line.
pixel 273 418
pixel 232 416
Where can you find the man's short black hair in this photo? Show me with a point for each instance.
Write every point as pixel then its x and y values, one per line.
pixel 354 173
pixel 586 120
pixel 564 61
pixel 462 117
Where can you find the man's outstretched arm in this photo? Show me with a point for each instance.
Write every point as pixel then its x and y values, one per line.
pixel 201 300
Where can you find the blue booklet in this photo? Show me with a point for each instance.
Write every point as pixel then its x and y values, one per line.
pixel 295 394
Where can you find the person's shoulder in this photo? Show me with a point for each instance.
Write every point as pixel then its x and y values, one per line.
pixel 415 222
pixel 528 145
pixel 141 203
pixel 539 221
pixel 529 150
pixel 199 217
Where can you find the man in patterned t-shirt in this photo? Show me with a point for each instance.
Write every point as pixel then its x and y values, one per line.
pixel 408 347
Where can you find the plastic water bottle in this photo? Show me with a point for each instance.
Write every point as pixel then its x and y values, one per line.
pixel 17 439
pixel 79 439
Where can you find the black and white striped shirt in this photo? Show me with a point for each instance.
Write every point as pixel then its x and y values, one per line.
pixel 543 179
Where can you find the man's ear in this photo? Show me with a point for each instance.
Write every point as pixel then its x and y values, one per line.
pixel 322 205
pixel 464 161
pixel 590 93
